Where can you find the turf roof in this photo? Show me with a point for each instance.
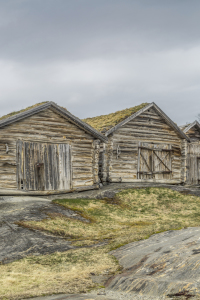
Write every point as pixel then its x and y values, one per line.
pixel 22 110
pixel 105 122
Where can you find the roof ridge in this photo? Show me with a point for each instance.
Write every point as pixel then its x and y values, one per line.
pixel 64 112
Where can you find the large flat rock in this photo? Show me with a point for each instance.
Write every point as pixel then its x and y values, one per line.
pixel 165 264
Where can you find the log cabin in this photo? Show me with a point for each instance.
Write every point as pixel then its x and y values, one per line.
pixel 192 130
pixel 44 149
pixel 193 152
pixel 144 145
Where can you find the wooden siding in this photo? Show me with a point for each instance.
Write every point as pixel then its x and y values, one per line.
pixel 121 154
pixel 47 127
pixel 193 163
pixel 194 134
pixel 43 166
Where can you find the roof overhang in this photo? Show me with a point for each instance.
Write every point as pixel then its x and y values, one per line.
pixel 160 112
pixel 63 112
pixel 195 123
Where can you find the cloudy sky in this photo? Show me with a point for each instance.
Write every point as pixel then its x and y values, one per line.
pixel 99 56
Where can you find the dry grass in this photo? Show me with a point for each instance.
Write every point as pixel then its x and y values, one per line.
pixel 135 214
pixel 105 122
pixel 67 272
pixel 22 110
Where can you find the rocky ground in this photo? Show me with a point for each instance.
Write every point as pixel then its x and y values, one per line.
pixel 166 265
pixel 17 242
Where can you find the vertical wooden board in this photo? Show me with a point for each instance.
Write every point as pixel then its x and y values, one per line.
pixel 61 168
pixel 68 166
pixel 51 180
pixel 32 179
pixel 41 168
pixel 20 164
pixel 54 166
pixel 27 164
pixel 36 159
pixel 57 166
pixel 46 168
pixel 24 165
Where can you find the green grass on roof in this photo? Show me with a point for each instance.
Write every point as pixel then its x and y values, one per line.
pixel 105 122
pixel 22 110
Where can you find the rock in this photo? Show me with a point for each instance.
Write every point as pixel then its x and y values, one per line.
pixel 109 194
pixel 165 264
pixel 101 293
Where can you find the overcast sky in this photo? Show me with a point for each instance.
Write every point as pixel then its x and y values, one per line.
pixel 99 56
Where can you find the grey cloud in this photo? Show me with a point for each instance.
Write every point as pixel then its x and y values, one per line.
pixel 96 57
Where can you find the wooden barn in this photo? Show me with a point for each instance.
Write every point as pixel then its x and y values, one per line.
pixel 193 152
pixel 44 149
pixel 144 145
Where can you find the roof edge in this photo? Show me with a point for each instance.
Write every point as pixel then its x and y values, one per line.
pixel 133 116
pixel 128 119
pixel 61 110
pixel 191 125
pixel 171 123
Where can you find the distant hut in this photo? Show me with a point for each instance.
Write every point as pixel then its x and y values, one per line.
pixel 144 144
pixel 44 149
pixel 192 130
pixel 193 152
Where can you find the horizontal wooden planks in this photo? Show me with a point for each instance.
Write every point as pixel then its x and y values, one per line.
pixel 51 128
pixel 149 127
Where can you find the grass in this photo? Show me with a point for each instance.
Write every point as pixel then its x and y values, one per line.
pixel 133 215
pixel 22 110
pixel 105 122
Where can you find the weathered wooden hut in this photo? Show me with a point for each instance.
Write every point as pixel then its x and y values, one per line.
pixel 45 149
pixel 192 130
pixel 193 152
pixel 144 144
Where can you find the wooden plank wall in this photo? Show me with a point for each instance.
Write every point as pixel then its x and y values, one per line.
pixel 43 166
pixel 47 127
pixel 121 164
pixel 194 134
pixel 193 155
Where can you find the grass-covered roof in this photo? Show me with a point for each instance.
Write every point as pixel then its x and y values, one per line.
pixel 22 110
pixel 105 122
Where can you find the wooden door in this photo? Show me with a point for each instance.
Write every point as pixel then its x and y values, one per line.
pixel 43 166
pixel 154 161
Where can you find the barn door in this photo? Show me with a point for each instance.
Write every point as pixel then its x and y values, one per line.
pixel 154 161
pixel 42 166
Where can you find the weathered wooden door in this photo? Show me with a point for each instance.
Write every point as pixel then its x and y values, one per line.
pixel 154 161
pixel 43 166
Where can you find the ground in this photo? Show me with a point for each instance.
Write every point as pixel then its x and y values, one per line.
pixel 160 261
